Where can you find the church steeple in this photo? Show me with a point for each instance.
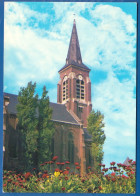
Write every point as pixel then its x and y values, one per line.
pixel 74 87
pixel 74 54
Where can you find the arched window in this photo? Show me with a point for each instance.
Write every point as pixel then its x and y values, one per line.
pixel 80 89
pixel 65 88
pixel 70 148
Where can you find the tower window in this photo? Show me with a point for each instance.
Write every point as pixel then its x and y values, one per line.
pixel 65 90
pixel 80 89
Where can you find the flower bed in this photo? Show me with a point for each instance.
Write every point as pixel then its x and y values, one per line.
pixel 118 178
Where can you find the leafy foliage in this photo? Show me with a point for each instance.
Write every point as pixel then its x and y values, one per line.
pixel 95 128
pixel 45 126
pixel 118 178
pixel 34 126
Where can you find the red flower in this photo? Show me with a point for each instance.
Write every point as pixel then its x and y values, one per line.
pixel 66 178
pixel 62 163
pixel 55 158
pixel 44 175
pixel 58 163
pixel 16 183
pixel 57 170
pixel 27 175
pixel 113 179
pixel 100 188
pixel 105 169
pixel 112 163
pixel 128 168
pixel 67 162
pixel 132 172
pixel 89 167
pixel 68 168
pixel 103 165
pixel 50 162
pixel 107 177
pixel 76 163
pixel 42 164
pixel 4 185
pixel 133 163
pixel 66 172
pixel 63 188
pixel 119 164
pixel 78 167
pixel 113 174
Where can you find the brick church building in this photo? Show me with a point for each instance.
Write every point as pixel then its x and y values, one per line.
pixel 71 139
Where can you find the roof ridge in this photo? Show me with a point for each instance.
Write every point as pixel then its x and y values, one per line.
pixel 74 116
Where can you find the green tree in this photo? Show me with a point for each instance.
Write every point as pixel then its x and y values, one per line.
pixel 95 128
pixel 34 126
pixel 45 127
pixel 27 124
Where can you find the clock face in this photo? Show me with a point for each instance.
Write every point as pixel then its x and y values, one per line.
pixel 65 78
pixel 80 77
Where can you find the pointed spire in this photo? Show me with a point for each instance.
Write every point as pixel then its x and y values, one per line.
pixel 74 53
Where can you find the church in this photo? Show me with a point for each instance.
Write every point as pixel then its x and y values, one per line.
pixel 71 141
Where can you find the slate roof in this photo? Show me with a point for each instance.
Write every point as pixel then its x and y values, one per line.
pixel 74 54
pixel 60 113
pixel 87 136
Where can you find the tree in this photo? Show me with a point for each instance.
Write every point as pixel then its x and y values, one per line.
pixel 45 127
pixel 95 128
pixel 27 124
pixel 34 126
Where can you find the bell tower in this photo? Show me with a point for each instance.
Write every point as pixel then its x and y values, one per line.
pixel 74 87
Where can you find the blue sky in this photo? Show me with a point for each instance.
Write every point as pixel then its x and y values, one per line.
pixel 36 39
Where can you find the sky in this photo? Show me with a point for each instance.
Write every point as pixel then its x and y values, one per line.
pixel 36 40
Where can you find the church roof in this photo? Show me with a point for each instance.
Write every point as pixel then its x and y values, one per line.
pixel 60 113
pixel 74 54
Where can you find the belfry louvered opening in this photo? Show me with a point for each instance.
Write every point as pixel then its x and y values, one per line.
pixel 80 89
pixel 65 90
